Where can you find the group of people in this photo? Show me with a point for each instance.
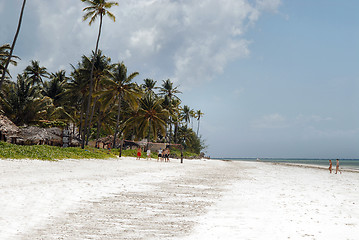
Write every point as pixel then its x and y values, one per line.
pixel 336 168
pixel 163 155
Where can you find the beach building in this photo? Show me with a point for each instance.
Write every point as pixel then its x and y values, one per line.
pixel 31 135
pixel 8 130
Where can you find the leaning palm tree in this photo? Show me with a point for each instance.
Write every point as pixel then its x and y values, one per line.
pixel 13 44
pixel 96 8
pixel 118 88
pixel 4 54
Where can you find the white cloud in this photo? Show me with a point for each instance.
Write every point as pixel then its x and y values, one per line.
pixel 268 5
pixel 238 92
pixel 274 120
pixel 313 118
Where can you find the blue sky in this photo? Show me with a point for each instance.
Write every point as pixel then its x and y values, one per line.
pixel 274 78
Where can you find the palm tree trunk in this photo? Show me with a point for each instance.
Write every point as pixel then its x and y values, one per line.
pixel 90 122
pixel 98 127
pixel 170 136
pixel 81 117
pixel 149 131
pixel 117 121
pixel 13 44
pixel 198 126
pixel 87 129
pixel 176 131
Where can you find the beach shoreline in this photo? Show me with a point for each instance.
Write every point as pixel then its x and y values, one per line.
pixel 126 198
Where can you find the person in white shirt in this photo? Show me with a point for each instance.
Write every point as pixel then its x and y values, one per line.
pixel 159 155
pixel 148 154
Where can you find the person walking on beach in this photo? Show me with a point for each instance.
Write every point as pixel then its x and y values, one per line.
pixel 330 166
pixel 159 155
pixel 165 154
pixel 168 155
pixel 337 168
pixel 138 153
pixel 148 154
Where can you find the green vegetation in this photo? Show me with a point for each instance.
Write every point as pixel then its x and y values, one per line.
pixel 45 152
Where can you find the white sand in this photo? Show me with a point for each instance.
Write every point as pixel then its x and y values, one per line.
pixel 129 199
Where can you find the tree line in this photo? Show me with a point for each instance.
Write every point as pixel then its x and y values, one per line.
pixel 97 98
pixel 119 106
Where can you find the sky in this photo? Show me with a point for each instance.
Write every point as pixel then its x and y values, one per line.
pixel 274 78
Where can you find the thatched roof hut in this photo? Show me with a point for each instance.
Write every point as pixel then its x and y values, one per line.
pixel 106 141
pixel 7 128
pixel 37 135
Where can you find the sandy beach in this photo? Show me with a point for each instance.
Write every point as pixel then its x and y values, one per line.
pixel 200 199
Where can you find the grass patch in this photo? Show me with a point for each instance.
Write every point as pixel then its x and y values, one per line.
pixel 45 152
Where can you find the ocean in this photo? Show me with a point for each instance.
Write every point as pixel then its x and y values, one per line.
pixel 343 163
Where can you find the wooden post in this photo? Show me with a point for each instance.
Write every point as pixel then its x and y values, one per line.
pixel 121 143
pixel 181 154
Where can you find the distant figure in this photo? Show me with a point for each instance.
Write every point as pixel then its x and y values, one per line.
pixel 159 155
pixel 148 154
pixel 165 154
pixel 330 166
pixel 109 148
pixel 138 153
pixel 168 155
pixel 337 168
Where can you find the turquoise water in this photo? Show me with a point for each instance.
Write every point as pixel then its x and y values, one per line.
pixel 344 163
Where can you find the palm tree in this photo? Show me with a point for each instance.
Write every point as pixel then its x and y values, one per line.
pixel 192 115
pixel 76 93
pixel 22 103
pixel 101 70
pixel 150 116
pixel 13 44
pixel 149 85
pixel 199 114
pixel 186 114
pixel 189 140
pixel 35 73
pixel 167 89
pixel 170 92
pixel 118 88
pixel 175 116
pixel 56 86
pixel 4 54
pixel 96 8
